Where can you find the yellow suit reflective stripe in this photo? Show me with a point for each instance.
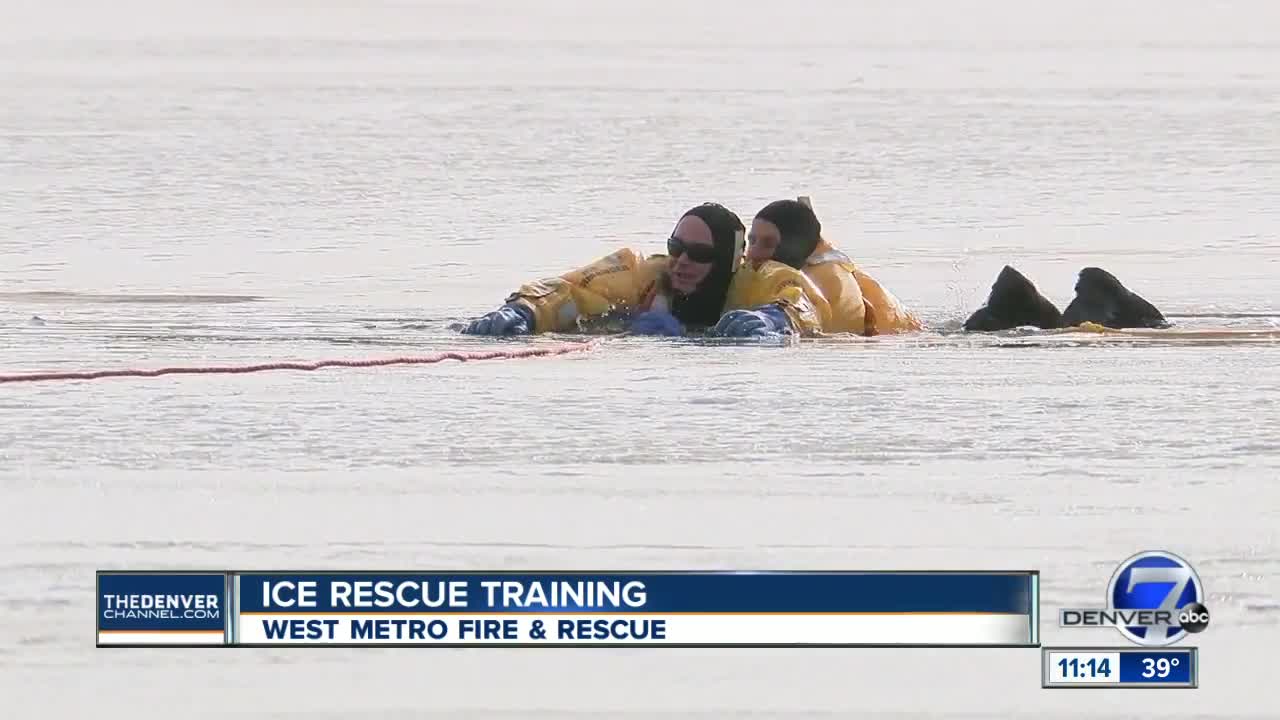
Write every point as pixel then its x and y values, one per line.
pixel 827 255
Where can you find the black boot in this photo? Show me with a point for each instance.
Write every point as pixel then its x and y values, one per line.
pixel 1014 302
pixel 1101 299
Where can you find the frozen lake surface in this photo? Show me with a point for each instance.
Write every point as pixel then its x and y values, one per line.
pixel 309 181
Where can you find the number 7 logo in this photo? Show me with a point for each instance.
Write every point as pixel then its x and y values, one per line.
pixel 1179 576
pixel 1158 582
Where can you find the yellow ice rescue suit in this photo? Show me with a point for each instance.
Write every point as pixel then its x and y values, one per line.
pixel 628 281
pixel 858 302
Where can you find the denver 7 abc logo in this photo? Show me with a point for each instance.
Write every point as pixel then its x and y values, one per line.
pixel 1154 598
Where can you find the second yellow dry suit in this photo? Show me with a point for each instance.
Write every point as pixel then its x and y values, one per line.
pixel 857 302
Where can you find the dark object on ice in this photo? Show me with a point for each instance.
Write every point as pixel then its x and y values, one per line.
pixel 1014 302
pixel 1101 299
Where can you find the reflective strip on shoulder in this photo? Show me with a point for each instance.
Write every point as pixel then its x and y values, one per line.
pixel 614 263
pixel 828 256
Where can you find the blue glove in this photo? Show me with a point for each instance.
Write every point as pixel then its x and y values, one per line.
pixel 510 319
pixel 656 322
pixel 761 322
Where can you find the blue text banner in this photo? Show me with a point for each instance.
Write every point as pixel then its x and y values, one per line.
pixel 766 608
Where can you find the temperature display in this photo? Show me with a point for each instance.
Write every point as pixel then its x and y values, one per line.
pixel 1119 667
pixel 1159 666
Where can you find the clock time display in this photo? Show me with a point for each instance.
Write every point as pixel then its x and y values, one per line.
pixel 1085 667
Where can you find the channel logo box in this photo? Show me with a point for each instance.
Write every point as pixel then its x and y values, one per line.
pixel 1155 599
pixel 162 608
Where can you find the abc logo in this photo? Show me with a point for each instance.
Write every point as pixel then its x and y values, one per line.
pixel 1194 617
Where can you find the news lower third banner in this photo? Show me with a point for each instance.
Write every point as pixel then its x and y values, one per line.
pixel 561 609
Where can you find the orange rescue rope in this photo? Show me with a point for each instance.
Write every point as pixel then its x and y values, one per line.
pixel 460 355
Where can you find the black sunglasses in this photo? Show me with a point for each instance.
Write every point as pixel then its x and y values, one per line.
pixel 697 253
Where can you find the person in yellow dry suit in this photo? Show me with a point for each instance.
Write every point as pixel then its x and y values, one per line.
pixel 701 283
pixel 789 232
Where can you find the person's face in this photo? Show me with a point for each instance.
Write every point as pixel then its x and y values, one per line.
pixel 692 251
pixel 763 240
